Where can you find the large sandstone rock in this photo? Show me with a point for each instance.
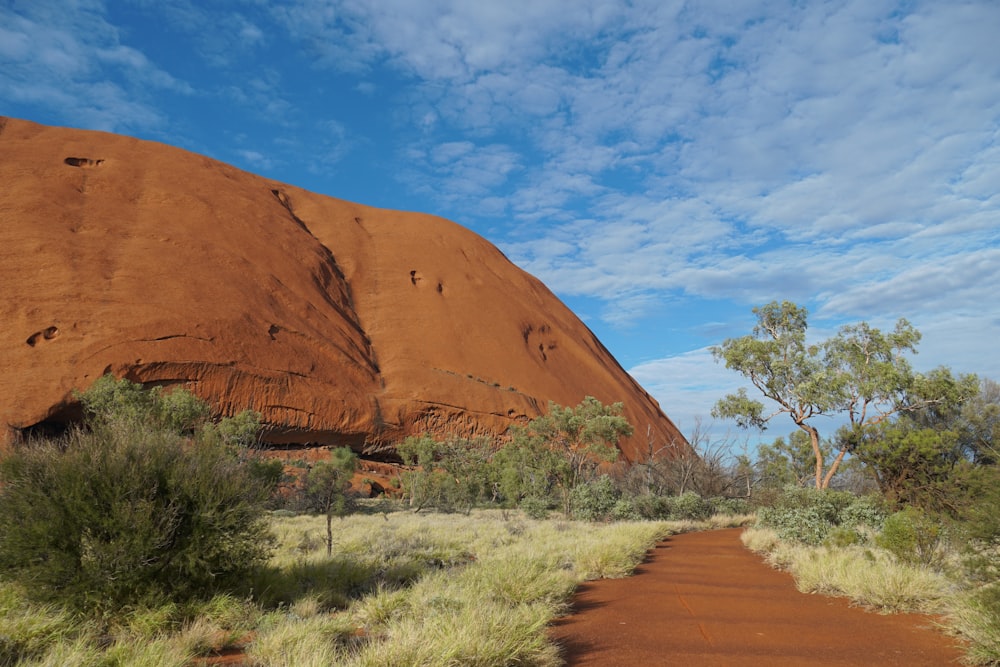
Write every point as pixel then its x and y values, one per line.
pixel 339 323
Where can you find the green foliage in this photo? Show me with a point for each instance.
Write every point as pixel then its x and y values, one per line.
pixel 979 426
pixel 567 445
pixel 538 470
pixel 860 372
pixel 239 431
pixel 976 617
pixel 595 500
pixel 911 536
pixel 914 466
pixel 790 462
pixel 732 506
pixel 27 631
pixel 130 512
pixel 110 400
pixel 982 526
pixel 535 507
pixel 525 472
pixel 451 475
pixel 841 537
pixel 809 516
pixel 652 506
pixel 134 517
pixel 690 505
pixel 326 485
pixel 778 362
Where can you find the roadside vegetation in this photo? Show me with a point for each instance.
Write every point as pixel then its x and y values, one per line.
pixel 154 534
pixel 915 525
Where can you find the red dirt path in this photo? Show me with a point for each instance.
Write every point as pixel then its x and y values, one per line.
pixel 702 599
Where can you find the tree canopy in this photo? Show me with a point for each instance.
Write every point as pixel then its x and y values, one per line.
pixel 860 372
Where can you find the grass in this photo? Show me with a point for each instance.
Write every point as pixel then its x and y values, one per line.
pixel 454 589
pixel 399 589
pixel 870 577
pixel 973 615
pixel 874 578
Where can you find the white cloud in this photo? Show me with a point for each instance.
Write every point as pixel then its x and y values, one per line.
pixel 77 67
pixel 687 386
pixel 842 154
pixel 256 159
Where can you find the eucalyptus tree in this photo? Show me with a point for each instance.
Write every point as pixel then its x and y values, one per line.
pixel 860 372
pixel 326 487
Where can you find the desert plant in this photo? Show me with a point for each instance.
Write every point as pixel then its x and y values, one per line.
pixel 129 512
pixel 912 536
pixel 808 516
pixel 446 475
pixel 326 485
pixel 594 501
pixel 975 615
pixel 691 506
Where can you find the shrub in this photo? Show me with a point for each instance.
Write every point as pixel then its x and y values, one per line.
pixel 911 536
pixel 808 516
pixel 982 528
pixel 976 617
pixel 690 505
pixel 110 400
pixel 594 501
pixel 536 507
pixel 731 506
pixel 625 510
pixel 651 506
pixel 129 513
pixel 841 537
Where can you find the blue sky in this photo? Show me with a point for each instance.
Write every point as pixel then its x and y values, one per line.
pixel 663 166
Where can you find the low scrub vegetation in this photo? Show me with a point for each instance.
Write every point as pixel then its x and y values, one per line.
pixel 400 589
pixel 143 507
pixel 143 536
pixel 904 561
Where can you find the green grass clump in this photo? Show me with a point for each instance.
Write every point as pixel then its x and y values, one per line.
pixel 399 589
pixel 487 585
pixel 27 631
pixel 975 616
pixel 870 577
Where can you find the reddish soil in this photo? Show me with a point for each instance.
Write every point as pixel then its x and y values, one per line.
pixel 703 599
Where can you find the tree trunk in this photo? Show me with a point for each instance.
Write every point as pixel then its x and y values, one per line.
pixel 814 441
pixel 329 532
pixel 833 468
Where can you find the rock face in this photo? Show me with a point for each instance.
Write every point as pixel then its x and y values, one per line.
pixel 339 323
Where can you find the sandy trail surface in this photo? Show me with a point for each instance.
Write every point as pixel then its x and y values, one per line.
pixel 703 599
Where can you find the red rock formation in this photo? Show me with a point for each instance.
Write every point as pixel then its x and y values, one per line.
pixel 340 323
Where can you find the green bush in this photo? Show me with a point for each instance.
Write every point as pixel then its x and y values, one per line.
pixel 689 505
pixel 594 501
pixel 809 516
pixel 731 506
pixel 982 529
pixel 864 511
pixel 110 400
pixel 911 536
pixel 625 510
pixel 652 506
pixel 129 513
pixel 536 507
pixel 842 536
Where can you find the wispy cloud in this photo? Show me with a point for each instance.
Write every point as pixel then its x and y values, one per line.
pixel 652 157
pixel 72 62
